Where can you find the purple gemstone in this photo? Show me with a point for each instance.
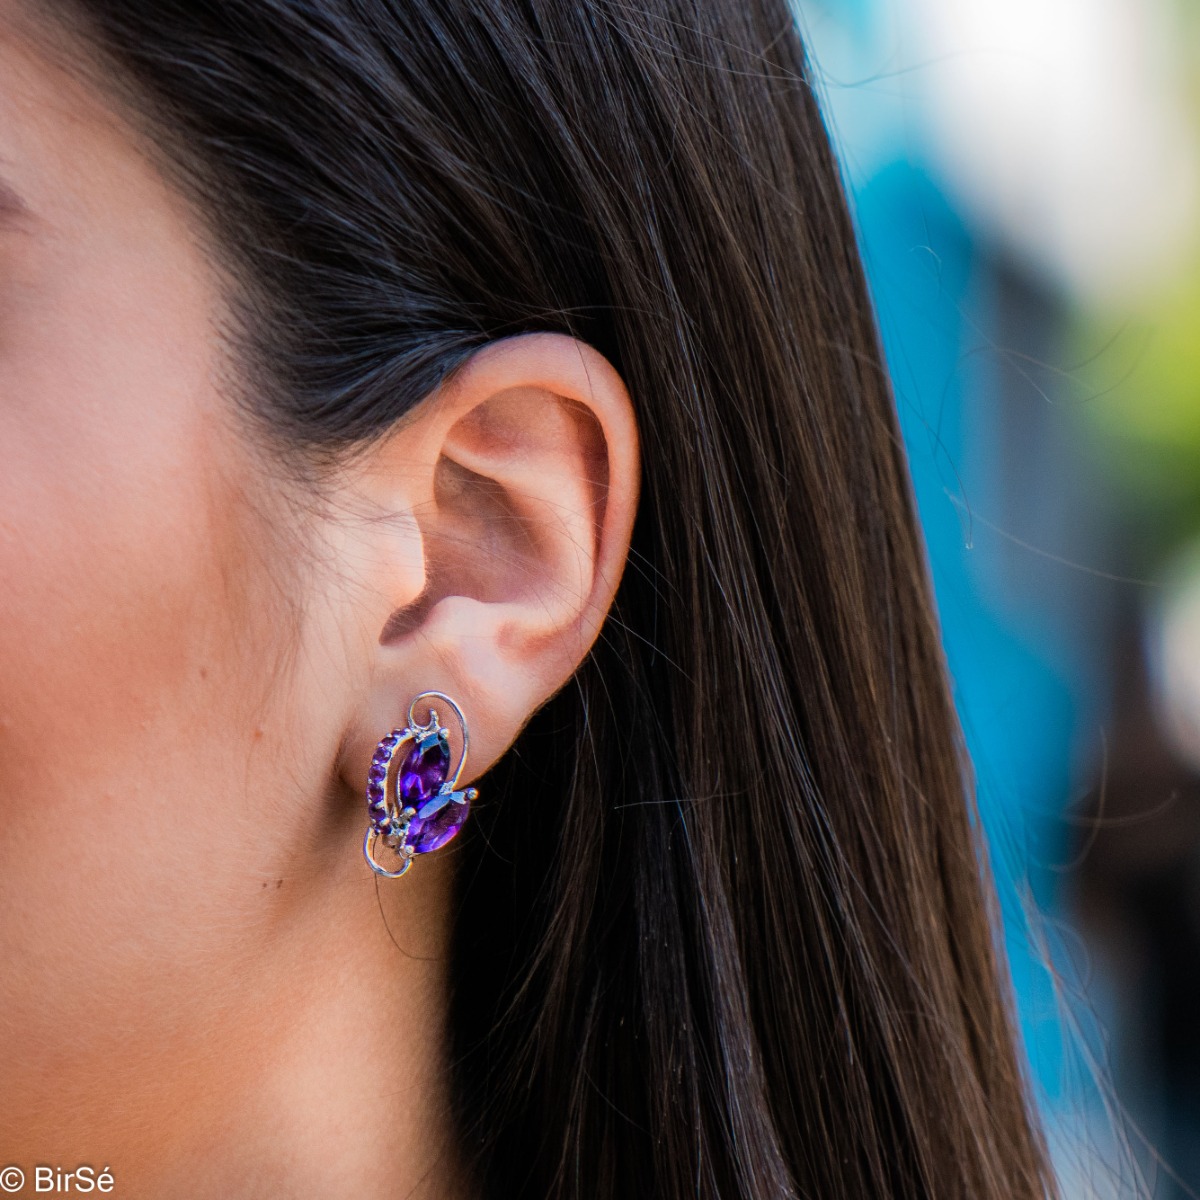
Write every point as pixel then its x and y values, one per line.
pixel 439 816
pixel 424 770
pixel 438 821
pixel 377 773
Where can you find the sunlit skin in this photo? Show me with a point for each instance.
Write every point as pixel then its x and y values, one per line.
pixel 199 986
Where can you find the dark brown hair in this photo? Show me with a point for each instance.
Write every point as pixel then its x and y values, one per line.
pixel 723 930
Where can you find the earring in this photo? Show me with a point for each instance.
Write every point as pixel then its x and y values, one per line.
pixel 422 810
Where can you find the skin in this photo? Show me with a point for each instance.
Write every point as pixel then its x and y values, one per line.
pixel 202 987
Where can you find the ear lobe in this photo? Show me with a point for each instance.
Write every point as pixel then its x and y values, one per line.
pixel 525 524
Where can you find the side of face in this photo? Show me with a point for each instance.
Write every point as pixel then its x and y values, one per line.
pixel 149 688
pixel 196 662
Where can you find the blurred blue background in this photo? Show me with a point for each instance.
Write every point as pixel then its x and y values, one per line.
pixel 1026 181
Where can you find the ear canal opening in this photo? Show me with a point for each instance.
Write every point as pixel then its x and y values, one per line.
pixel 404 620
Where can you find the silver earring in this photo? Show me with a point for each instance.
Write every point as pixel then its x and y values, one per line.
pixel 415 807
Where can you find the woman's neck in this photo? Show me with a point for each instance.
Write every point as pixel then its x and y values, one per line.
pixel 331 1078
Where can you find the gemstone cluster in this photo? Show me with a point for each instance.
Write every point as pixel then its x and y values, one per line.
pixel 427 810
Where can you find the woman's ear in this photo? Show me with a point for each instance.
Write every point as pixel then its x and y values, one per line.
pixel 506 504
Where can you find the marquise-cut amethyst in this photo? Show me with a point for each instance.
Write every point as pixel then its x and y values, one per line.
pixel 439 815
